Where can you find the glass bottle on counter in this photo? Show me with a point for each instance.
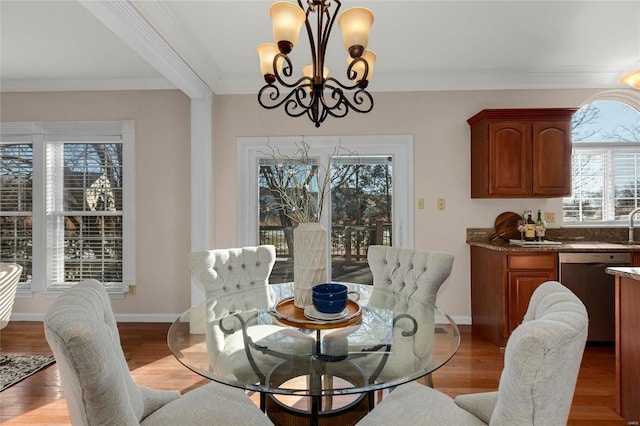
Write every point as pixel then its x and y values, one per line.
pixel 540 227
pixel 529 228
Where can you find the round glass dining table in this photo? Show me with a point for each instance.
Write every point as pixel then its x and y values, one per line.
pixel 267 345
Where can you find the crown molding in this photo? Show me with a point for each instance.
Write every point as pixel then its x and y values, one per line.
pixel 87 85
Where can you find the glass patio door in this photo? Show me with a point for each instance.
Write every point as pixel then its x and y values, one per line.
pixel 367 200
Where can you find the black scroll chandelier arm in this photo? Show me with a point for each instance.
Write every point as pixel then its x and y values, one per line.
pixel 362 81
pixel 361 101
pixel 298 106
pixel 287 71
pixel 307 24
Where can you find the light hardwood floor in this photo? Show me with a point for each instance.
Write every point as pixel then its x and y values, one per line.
pixel 38 400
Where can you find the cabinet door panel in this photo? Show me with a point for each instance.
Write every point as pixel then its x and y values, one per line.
pixel 531 261
pixel 551 150
pixel 522 284
pixel 509 158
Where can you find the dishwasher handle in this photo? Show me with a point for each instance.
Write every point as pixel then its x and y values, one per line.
pixel 600 258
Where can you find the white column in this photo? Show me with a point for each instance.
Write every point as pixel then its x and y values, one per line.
pixel 201 184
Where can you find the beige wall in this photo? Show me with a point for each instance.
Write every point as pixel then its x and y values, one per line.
pixel 437 120
pixel 162 184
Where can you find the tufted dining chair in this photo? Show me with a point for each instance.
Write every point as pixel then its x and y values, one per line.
pixel 9 277
pixel 541 363
pixel 241 271
pixel 417 276
pixel 414 273
pixel 81 329
pixel 237 280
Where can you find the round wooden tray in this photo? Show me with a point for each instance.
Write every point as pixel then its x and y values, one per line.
pixel 288 313
pixel 506 226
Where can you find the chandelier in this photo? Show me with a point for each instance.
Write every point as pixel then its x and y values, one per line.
pixel 632 79
pixel 315 93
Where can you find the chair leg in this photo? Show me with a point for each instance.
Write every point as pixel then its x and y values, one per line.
pixel 328 384
pixel 426 380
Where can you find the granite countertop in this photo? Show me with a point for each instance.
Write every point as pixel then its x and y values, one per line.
pixel 572 240
pixel 626 272
pixel 566 246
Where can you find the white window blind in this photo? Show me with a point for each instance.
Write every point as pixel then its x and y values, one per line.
pixel 606 183
pixel 83 203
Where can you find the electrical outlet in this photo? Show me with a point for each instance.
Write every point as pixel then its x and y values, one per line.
pixel 550 217
pixel 421 203
pixel 132 290
pixel 440 204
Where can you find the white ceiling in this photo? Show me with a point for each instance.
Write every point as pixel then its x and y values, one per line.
pixel 420 45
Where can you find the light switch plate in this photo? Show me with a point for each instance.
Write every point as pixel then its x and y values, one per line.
pixel 550 217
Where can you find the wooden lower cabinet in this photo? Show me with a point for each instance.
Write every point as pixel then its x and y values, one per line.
pixel 628 349
pixel 502 283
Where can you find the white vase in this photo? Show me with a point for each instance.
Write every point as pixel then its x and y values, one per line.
pixel 309 261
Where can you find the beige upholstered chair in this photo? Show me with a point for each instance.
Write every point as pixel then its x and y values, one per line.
pixel 414 273
pixel 418 275
pixel 541 365
pixel 9 277
pixel 241 271
pixel 237 280
pixel 82 332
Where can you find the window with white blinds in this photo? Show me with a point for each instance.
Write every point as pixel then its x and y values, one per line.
pixel 16 205
pixel 606 184
pixel 605 164
pixel 67 203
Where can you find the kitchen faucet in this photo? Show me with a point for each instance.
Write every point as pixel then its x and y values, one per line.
pixel 631 215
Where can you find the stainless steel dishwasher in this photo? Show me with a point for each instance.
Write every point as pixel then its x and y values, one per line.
pixel 584 274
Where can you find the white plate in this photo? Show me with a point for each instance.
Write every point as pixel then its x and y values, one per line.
pixel 311 312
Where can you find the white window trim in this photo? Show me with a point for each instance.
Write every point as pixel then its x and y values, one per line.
pixel 400 147
pixel 40 133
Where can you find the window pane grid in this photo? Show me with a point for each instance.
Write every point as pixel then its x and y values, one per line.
pixel 91 211
pixel 16 203
pixel 93 248
pixel 606 185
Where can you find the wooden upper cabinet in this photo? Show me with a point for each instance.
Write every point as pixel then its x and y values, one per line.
pixel 521 153
pixel 509 158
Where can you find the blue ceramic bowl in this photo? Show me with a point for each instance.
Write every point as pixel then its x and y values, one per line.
pixel 330 291
pixel 329 298
pixel 330 306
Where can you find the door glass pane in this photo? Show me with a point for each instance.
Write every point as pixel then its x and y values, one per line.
pixel 288 195
pixel 361 213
